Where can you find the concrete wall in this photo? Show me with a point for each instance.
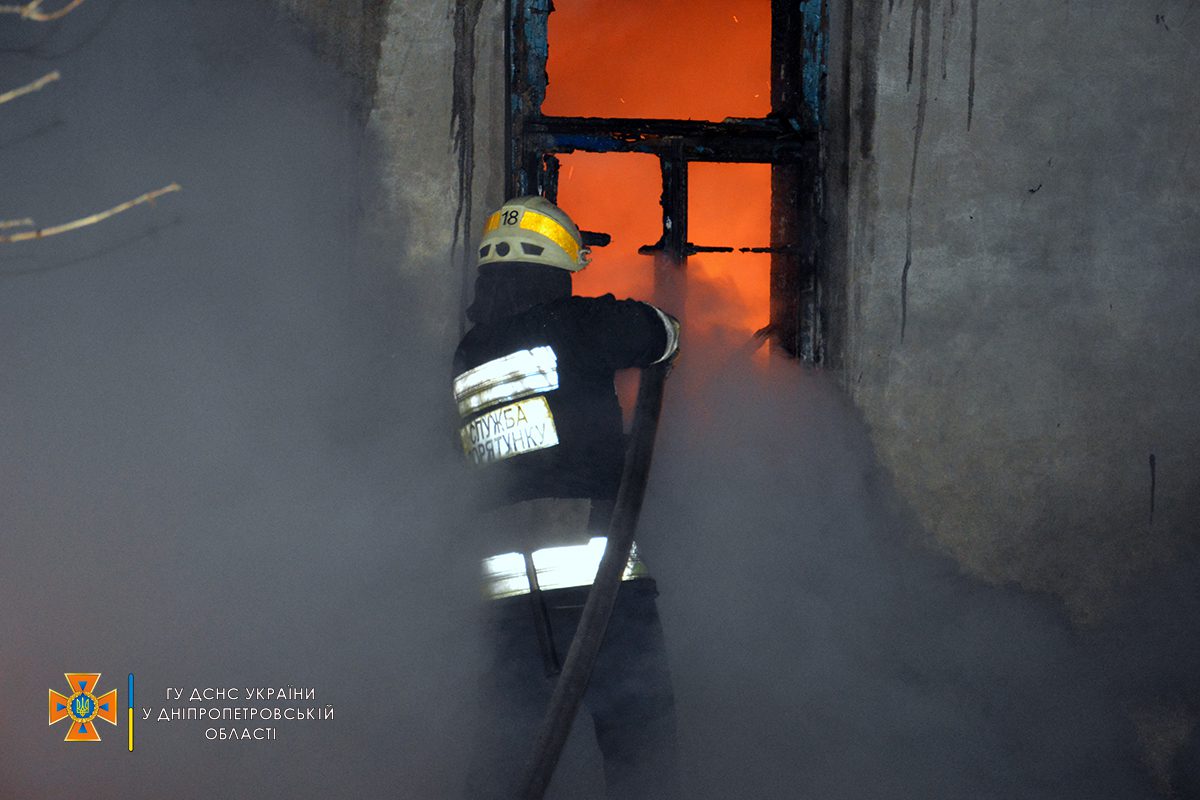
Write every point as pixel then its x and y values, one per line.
pixel 436 121
pixel 1022 219
pixel 347 32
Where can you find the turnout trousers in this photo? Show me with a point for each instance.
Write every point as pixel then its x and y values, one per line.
pixel 629 697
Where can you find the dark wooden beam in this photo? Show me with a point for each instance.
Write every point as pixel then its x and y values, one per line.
pixel 745 140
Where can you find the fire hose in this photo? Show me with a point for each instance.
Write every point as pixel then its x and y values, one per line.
pixel 593 622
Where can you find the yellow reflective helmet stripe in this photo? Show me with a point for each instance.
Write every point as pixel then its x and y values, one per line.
pixel 545 226
pixel 532 230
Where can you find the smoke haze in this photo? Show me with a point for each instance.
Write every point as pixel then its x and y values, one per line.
pixel 224 463
pixel 221 453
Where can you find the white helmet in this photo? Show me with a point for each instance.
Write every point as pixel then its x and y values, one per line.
pixel 533 230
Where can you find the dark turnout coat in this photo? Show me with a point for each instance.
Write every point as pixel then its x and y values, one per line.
pixel 536 397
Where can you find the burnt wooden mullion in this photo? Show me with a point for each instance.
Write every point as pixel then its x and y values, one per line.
pixel 792 263
pixel 670 253
pixel 674 202
pixel 548 175
pixel 750 141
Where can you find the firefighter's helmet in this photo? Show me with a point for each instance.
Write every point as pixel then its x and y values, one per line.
pixel 533 230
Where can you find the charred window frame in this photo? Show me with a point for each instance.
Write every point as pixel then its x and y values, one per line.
pixel 789 138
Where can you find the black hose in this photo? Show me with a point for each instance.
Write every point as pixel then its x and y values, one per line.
pixel 593 622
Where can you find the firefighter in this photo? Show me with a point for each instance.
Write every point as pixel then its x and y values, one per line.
pixel 541 427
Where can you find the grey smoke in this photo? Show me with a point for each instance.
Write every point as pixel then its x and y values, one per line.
pixel 826 652
pixel 221 452
pixel 224 462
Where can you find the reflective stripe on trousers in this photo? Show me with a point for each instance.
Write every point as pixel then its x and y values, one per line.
pixel 563 567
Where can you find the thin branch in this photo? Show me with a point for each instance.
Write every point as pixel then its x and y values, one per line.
pixel 33 11
pixel 42 233
pixel 13 94
pixel 16 223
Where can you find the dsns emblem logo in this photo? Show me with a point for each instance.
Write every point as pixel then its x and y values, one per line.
pixel 82 707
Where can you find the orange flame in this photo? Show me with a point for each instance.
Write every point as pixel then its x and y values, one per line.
pixel 677 59
pixel 671 59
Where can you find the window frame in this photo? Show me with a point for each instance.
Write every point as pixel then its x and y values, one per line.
pixel 790 138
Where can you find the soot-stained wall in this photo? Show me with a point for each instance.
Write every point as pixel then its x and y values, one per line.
pixel 348 32
pixel 1021 217
pixel 432 77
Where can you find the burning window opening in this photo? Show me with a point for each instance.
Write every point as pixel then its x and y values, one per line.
pixel 768 275
pixel 626 209
pixel 727 286
pixel 731 285
pixel 672 59
pixel 710 61
pixel 786 142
